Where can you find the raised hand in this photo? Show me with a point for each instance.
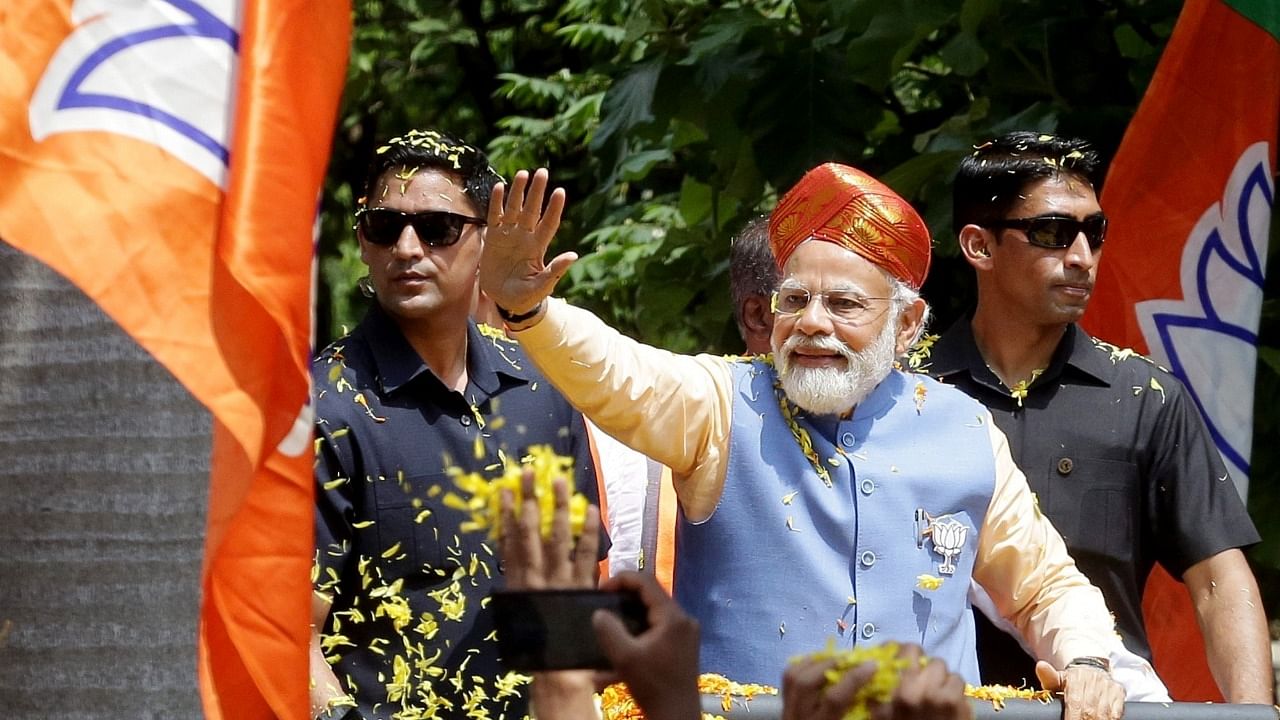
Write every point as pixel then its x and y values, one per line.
pixel 512 269
pixel 534 563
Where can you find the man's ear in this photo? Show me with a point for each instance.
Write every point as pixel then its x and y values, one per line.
pixel 975 244
pixel 757 324
pixel 909 322
pixel 364 247
pixel 756 315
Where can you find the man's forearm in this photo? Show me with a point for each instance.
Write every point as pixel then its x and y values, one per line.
pixel 326 693
pixel 1229 610
pixel 673 408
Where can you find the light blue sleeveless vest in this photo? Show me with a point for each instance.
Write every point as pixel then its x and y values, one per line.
pixel 786 563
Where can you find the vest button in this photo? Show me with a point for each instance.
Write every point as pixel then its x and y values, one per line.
pixel 868 558
pixel 868 487
pixel 1065 466
pixel 465 420
pixel 847 439
pixel 868 631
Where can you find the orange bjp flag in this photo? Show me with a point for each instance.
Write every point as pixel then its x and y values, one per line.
pixel 1189 196
pixel 166 156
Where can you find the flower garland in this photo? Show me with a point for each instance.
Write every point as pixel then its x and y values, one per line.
pixel 803 439
pixel 616 702
pixel 917 354
pixel 800 434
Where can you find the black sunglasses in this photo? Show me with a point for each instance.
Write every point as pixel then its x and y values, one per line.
pixel 1057 232
pixel 436 228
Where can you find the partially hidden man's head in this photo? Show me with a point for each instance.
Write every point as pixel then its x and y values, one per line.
pixel 852 255
pixel 753 276
pixel 420 223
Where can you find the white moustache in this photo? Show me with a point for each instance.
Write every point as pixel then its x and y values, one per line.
pixel 822 343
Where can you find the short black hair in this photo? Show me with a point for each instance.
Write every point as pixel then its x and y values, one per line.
pixel 992 178
pixel 432 149
pixel 752 269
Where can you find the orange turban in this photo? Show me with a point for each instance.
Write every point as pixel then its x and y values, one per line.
pixel 850 208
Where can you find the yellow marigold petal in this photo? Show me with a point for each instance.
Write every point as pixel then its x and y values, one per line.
pixel 928 582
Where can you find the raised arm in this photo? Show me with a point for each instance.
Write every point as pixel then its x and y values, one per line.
pixel 673 408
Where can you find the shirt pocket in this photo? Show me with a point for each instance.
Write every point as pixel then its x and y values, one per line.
pixel 407 536
pixel 1096 505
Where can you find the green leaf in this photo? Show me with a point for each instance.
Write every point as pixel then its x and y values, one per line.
pixel 721 32
pixel 658 303
pixel 1037 116
pixel 531 91
pixel 429 26
pixel 528 126
pixel 582 115
pixel 974 12
pixel 686 133
pixel 695 201
pixel 894 32
pixel 628 102
pixel 637 165
pixel 1270 358
pixel 1130 43
pixel 661 215
pixel 908 177
pixel 964 54
pixel 594 36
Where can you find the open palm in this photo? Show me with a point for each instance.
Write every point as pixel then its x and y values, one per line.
pixel 512 268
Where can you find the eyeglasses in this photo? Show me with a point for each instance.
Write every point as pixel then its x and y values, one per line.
pixel 1056 232
pixel 843 306
pixel 436 228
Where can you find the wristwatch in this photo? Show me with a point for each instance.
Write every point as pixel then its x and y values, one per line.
pixel 1090 661
pixel 513 319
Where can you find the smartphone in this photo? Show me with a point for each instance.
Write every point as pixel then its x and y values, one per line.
pixel 551 629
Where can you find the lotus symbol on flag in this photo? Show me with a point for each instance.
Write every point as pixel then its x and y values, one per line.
pixel 159 71
pixel 1208 339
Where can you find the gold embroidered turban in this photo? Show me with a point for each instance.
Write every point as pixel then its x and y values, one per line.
pixel 848 207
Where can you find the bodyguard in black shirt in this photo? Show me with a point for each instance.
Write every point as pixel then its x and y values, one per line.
pixel 415 390
pixel 1111 444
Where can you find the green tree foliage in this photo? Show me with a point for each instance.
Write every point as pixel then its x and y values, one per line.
pixel 672 122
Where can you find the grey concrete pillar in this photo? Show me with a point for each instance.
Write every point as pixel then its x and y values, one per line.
pixel 104 462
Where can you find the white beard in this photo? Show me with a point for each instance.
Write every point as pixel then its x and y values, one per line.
pixel 834 391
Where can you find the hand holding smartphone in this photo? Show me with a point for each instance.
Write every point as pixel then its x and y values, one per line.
pixel 551 629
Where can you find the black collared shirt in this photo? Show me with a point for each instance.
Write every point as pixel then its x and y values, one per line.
pixel 1120 461
pixel 408 620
